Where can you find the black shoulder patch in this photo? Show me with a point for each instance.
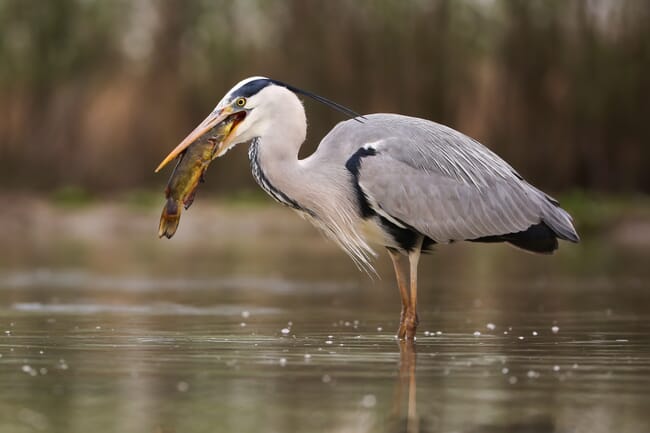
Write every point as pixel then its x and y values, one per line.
pixel 354 162
pixel 353 165
pixel 405 236
pixel 251 88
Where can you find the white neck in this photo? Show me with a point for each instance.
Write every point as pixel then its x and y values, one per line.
pixel 319 191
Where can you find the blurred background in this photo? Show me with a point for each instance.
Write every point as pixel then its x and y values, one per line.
pixel 94 93
pixel 104 327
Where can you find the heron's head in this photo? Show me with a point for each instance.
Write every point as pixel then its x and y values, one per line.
pixel 252 108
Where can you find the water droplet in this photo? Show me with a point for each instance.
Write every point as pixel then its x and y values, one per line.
pixel 477 333
pixel 307 356
pixel 245 314
pixel 26 368
pixel 43 371
pixel 532 374
pixel 491 326
pixel 368 401
pixel 534 333
pixel 242 324
pixel 575 365
pixel 98 327
pixel 555 329
pixel 521 337
pixel 505 370
pixel 438 332
pixel 512 380
pixel 328 342
pixel 505 332
pixel 182 386
pixel 283 361
pixel 379 329
pixel 556 368
pixel 285 331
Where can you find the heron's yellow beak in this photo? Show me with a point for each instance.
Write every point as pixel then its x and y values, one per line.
pixel 210 122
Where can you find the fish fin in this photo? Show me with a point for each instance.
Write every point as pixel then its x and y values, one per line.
pixel 169 219
pixel 190 199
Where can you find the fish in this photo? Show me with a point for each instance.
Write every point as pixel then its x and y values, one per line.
pixel 187 175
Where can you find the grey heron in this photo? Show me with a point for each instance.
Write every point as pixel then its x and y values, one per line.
pixel 400 182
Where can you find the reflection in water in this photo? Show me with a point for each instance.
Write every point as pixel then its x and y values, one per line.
pixel 407 420
pixel 406 389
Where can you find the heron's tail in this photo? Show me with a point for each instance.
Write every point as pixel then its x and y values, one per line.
pixel 559 220
pixel 171 215
pixel 541 237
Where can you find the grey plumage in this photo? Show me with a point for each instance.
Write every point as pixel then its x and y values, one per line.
pixel 441 182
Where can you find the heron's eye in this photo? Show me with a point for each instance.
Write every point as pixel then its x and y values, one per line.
pixel 240 102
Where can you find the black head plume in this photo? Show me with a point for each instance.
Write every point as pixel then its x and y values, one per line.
pixel 338 107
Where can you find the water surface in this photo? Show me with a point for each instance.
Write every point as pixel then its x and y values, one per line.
pixel 271 329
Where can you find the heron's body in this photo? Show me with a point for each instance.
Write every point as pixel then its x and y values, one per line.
pixel 400 182
pixel 393 177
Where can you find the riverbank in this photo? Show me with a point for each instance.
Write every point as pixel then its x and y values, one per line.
pixel 72 212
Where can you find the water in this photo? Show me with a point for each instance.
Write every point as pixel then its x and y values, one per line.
pixel 264 327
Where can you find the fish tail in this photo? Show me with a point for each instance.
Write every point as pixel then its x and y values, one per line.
pixel 169 219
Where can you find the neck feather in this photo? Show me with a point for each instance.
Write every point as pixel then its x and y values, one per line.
pixel 320 191
pixel 266 168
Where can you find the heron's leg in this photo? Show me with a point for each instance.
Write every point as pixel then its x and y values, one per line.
pixel 402 284
pixel 411 320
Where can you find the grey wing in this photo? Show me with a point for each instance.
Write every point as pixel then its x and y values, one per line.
pixel 449 187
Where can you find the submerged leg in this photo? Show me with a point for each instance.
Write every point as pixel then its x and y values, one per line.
pixel 402 284
pixel 411 319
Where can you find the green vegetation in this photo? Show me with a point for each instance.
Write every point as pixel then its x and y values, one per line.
pixel 592 212
pixel 72 196
pixel 595 212
pixel 141 199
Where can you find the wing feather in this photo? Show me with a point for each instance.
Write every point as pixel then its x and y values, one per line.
pixel 449 186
